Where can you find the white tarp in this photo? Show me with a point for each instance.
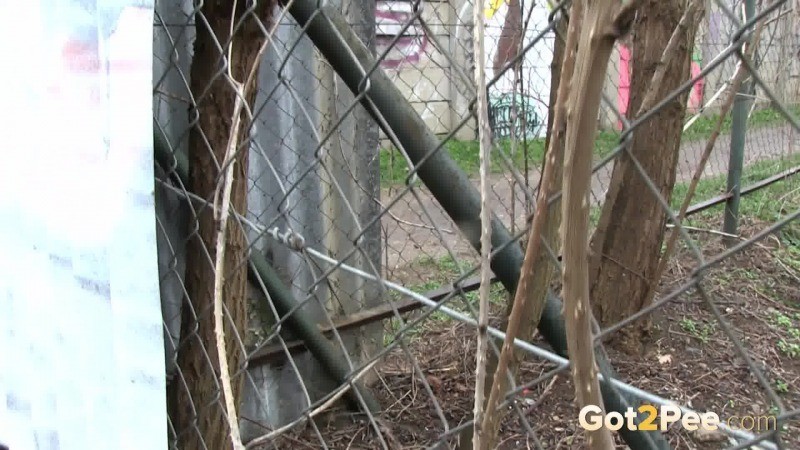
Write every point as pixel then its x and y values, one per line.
pixel 81 343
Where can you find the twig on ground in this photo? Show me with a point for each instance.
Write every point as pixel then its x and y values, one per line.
pixel 706 230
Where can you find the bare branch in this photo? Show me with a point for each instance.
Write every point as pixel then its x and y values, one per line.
pixel 594 51
pixel 733 88
pixel 484 134
pixel 522 294
pixel 219 267
pixel 689 18
pixel 222 214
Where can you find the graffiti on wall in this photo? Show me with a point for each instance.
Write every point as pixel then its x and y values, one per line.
pixel 696 94
pixel 501 120
pixel 410 46
pixel 695 101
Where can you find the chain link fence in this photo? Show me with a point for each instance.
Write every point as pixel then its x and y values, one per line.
pixel 345 286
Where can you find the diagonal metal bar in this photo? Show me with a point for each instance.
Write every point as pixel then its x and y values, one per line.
pixel 371 315
pixel 450 186
pixel 282 298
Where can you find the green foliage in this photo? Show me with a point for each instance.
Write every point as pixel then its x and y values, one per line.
pixel 782 320
pixel 789 345
pixel 689 325
pixel 703 126
pixel 701 331
pixel 790 349
pixel 394 168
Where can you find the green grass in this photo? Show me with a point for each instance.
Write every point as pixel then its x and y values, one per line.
pixel 768 204
pixel 441 272
pixel 394 169
pixel 702 127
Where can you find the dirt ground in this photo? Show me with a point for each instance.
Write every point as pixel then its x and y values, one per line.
pixel 409 230
pixel 689 360
pixel 688 357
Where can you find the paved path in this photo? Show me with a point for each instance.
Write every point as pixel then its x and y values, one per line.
pixel 409 233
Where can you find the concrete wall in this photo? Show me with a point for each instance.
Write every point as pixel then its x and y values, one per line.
pixel 434 68
pixel 423 73
pixel 416 61
pixel 289 188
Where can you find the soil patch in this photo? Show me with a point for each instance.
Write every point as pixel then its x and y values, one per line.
pixel 426 385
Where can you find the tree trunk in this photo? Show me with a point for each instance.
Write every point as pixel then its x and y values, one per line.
pixel 533 311
pixel 199 415
pixel 623 268
pixel 540 283
pixel 543 275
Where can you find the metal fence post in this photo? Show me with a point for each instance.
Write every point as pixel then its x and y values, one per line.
pixel 736 159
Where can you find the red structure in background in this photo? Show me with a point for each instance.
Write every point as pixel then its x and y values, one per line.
pixel 623 93
pixel 409 48
pixel 696 95
pixel 81 56
pixel 624 90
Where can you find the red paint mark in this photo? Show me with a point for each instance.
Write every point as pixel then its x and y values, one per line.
pixel 409 47
pixel 696 95
pixel 80 57
pixel 623 93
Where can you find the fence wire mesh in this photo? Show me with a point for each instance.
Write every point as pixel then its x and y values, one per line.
pixel 349 274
